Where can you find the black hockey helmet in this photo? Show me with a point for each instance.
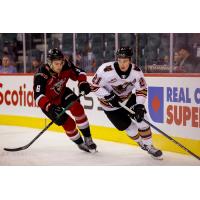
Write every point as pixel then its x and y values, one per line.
pixel 124 52
pixel 55 54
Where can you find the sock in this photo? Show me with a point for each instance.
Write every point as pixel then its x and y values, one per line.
pixel 132 132
pixel 79 115
pixel 146 135
pixel 86 132
pixel 72 131
pixel 78 141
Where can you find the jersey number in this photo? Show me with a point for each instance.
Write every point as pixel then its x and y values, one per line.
pixel 38 88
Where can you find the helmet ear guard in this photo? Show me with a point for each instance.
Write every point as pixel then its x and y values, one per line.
pixel 124 52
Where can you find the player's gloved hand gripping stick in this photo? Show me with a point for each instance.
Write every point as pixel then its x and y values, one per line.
pixel 32 141
pixel 160 131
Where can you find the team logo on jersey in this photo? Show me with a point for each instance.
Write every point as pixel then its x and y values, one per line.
pixel 57 87
pixel 121 88
pixel 156 103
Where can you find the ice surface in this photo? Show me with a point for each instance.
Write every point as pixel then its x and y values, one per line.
pixel 55 149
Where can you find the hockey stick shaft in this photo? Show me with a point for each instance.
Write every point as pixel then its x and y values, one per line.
pixel 37 136
pixel 163 133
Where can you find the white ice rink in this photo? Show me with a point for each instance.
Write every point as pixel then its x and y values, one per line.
pixel 55 149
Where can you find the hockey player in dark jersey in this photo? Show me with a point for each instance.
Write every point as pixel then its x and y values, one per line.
pixel 52 95
pixel 123 81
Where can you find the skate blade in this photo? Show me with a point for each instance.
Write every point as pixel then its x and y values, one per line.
pixel 157 158
pixel 86 151
pixel 93 150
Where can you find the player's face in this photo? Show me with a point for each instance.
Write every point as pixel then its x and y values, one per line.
pixel 57 65
pixel 123 64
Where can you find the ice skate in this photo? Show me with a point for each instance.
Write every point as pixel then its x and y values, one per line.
pixel 83 147
pixel 155 153
pixel 141 145
pixel 90 144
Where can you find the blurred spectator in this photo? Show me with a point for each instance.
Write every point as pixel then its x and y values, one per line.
pixel 176 63
pixel 78 60
pixel 188 62
pixel 68 55
pixel 166 60
pixel 177 59
pixel 35 64
pixel 91 63
pixel 6 66
pixel 163 61
pixel 88 61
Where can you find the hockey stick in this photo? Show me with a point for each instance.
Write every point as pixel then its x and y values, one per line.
pixel 160 131
pixel 32 141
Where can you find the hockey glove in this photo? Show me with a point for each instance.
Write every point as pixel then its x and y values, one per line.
pixel 113 99
pixel 139 110
pixel 84 87
pixel 54 112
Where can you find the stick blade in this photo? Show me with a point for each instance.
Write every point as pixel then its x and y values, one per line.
pixel 16 149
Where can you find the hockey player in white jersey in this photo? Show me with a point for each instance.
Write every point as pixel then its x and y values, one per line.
pixel 123 81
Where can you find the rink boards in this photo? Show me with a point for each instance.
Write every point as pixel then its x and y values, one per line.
pixel 173 103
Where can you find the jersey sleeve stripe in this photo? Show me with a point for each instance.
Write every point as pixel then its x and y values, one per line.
pixel 42 101
pixel 141 92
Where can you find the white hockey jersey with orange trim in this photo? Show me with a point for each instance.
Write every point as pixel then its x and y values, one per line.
pixel 107 79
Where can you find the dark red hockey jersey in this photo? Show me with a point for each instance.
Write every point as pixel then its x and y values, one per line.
pixel 49 86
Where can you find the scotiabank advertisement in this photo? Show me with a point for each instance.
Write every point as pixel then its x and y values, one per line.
pixel 16 96
pixel 173 103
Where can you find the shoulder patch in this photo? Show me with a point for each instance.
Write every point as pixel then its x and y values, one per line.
pixel 136 68
pixel 108 68
pixel 142 82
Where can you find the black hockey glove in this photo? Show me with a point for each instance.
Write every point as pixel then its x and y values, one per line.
pixel 54 111
pixel 84 87
pixel 113 99
pixel 139 110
